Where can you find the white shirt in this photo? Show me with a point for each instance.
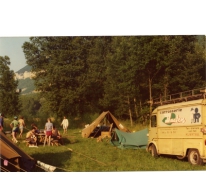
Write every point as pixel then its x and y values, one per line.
pixel 65 123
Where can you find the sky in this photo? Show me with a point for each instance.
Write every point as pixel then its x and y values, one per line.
pixel 12 47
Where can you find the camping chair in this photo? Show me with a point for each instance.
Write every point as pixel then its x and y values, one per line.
pixel 105 134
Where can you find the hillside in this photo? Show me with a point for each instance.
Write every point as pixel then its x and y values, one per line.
pixel 26 85
pixel 26 68
pixel 25 81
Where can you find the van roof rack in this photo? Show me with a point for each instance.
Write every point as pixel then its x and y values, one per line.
pixel 181 97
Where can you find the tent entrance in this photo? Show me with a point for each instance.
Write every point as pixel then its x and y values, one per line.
pixel 102 130
pixel 106 122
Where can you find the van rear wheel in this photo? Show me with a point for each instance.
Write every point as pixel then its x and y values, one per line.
pixel 154 151
pixel 194 157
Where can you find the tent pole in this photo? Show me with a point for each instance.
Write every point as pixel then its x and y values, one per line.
pixel 97 131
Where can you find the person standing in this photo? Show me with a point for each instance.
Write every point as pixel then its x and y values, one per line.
pixel 1 122
pixel 65 124
pixel 21 126
pixel 48 129
pixel 15 128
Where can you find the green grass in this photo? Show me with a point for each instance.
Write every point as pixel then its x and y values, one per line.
pixel 88 155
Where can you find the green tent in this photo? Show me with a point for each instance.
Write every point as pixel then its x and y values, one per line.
pixel 130 140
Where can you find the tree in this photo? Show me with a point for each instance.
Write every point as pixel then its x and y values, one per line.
pixel 31 105
pixel 9 104
pixel 60 66
pixel 97 68
pixel 120 86
pixel 80 74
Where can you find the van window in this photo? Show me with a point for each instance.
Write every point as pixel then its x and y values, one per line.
pixel 154 121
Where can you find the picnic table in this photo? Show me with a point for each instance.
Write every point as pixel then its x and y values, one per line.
pixel 40 137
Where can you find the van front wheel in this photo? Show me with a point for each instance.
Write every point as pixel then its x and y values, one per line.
pixel 194 157
pixel 154 151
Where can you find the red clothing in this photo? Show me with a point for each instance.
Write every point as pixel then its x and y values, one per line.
pixel 48 133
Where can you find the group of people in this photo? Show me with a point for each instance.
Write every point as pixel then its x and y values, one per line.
pixel 50 130
pixel 16 126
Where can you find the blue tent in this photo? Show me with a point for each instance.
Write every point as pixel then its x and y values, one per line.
pixel 130 140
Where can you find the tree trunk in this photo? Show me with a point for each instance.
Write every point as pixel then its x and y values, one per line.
pixel 150 96
pixel 140 105
pixel 135 107
pixel 165 92
pixel 130 113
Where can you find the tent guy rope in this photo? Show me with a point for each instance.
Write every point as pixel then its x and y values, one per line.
pixel 86 156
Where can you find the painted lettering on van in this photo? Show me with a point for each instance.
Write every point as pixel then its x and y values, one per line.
pixel 171 111
pixel 171 118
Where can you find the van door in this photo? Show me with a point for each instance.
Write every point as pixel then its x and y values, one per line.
pixel 153 128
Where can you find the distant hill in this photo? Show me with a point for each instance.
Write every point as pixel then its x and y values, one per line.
pixel 25 81
pixel 26 85
pixel 26 68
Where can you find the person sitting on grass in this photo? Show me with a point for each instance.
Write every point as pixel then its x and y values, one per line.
pixel 56 135
pixel 35 127
pixel 31 137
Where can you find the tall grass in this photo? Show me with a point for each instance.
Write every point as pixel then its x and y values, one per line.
pixel 87 155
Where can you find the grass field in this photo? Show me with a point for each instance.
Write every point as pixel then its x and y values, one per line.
pixel 87 155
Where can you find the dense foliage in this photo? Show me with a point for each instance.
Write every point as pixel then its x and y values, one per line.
pixel 119 73
pixel 9 97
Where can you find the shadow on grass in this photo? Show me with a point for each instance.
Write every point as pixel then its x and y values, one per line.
pixel 174 157
pixel 54 159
